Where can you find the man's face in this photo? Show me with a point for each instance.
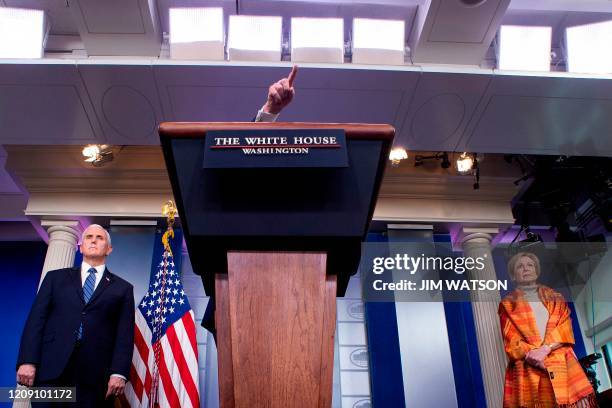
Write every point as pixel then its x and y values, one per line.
pixel 95 245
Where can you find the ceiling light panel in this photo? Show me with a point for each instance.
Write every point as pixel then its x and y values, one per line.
pixel 22 33
pixel 524 48
pixel 317 40
pixel 378 41
pixel 589 48
pixel 254 38
pixel 196 33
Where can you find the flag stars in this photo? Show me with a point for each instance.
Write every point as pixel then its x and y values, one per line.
pixel 165 298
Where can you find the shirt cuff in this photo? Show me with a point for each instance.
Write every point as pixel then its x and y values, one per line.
pixel 119 375
pixel 265 117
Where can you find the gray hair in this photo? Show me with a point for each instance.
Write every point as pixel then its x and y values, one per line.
pixel 108 237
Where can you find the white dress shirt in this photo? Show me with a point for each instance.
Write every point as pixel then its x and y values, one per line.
pixel 99 272
pixel 265 117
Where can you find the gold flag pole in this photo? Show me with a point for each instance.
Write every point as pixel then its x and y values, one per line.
pixel 169 211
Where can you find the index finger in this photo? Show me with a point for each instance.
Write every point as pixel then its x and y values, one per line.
pixel 292 75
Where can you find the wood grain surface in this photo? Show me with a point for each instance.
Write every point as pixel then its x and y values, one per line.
pixel 224 346
pixel 282 318
pixel 198 129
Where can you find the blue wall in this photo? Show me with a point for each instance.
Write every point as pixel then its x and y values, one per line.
pixel 132 255
pixel 20 267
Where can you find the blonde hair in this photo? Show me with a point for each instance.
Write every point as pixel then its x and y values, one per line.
pixel 516 257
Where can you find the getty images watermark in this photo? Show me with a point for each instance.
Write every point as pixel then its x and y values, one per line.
pixel 411 264
pixel 428 272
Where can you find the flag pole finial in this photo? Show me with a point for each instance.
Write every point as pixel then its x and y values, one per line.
pixel 169 211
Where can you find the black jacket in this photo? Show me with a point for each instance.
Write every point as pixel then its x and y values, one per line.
pixel 50 332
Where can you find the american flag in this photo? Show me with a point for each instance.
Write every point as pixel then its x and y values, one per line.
pixel 164 370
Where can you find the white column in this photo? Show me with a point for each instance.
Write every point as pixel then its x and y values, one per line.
pixel 63 239
pixel 476 242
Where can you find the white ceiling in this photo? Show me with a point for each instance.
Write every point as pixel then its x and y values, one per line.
pixel 118 102
pixel 124 88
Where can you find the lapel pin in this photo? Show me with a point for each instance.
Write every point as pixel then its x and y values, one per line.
pixel 108 279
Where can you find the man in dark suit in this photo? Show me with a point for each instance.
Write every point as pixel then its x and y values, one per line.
pixel 80 331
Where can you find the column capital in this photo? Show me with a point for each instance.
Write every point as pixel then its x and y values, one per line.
pixel 63 238
pixel 473 234
pixel 60 223
pixel 71 227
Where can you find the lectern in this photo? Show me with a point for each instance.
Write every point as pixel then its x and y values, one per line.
pixel 274 215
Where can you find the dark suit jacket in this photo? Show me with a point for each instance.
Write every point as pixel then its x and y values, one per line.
pixel 50 332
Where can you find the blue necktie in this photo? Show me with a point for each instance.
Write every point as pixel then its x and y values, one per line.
pixel 88 290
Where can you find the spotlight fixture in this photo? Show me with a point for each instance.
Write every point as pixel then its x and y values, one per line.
pixel 397 155
pixel 465 163
pixel 532 237
pixel 97 155
pixel 445 163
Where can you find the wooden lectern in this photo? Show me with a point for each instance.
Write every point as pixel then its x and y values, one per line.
pixel 275 238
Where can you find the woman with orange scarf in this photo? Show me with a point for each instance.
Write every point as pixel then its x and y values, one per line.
pixel 542 370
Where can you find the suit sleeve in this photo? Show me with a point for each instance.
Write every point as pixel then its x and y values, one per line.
pixel 124 343
pixel 31 338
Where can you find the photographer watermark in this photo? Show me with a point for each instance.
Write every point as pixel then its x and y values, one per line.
pixel 434 272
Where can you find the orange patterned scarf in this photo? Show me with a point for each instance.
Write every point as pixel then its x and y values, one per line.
pixel 564 383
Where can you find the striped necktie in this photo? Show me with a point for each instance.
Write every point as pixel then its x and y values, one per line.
pixel 88 290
